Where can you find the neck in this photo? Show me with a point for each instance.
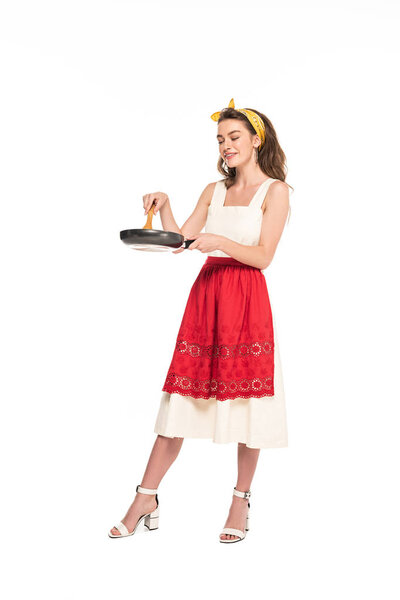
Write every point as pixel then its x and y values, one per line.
pixel 249 175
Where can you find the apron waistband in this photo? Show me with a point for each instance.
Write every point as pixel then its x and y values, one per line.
pixel 226 260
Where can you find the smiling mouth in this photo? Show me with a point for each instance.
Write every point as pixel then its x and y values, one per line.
pixel 230 155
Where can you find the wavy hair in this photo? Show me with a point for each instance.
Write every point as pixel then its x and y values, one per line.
pixel 271 158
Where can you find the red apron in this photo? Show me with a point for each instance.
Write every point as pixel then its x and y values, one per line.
pixel 225 344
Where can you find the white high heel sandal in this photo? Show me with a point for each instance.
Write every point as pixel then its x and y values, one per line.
pixel 231 530
pixel 150 519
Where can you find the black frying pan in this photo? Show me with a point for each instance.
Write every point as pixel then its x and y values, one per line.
pixel 153 240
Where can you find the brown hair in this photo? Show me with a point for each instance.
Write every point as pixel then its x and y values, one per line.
pixel 271 157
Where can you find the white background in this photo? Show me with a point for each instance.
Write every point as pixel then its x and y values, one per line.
pixel 101 103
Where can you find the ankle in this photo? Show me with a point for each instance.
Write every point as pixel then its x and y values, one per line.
pixel 237 500
pixel 145 496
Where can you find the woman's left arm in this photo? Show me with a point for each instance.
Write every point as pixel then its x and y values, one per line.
pixel 273 223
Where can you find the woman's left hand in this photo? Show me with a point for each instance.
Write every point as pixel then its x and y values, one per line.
pixel 205 242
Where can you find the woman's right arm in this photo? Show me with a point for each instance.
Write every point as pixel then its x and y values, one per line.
pixel 167 218
pixel 194 224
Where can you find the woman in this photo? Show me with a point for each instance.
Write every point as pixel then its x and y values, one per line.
pixel 225 380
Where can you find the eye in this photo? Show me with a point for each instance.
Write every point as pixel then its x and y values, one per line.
pixel 236 138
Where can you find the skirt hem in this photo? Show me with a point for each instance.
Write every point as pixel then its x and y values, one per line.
pixel 261 446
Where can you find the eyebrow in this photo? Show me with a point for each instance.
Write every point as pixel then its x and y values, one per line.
pixel 234 131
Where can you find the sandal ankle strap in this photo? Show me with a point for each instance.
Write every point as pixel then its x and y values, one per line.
pixel 143 490
pixel 241 494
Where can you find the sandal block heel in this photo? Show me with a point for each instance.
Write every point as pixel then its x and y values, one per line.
pixel 151 520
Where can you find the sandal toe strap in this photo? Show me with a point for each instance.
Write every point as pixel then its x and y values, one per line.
pixel 232 531
pixel 122 528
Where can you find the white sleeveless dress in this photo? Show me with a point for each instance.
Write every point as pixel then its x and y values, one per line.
pixel 256 422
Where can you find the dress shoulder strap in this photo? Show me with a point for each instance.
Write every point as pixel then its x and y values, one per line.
pixel 261 193
pixel 218 194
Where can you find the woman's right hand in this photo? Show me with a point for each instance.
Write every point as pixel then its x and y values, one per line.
pixel 157 198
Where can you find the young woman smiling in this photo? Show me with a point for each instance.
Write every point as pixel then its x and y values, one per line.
pixel 225 379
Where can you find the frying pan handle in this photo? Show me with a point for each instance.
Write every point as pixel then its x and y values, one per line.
pixel 188 242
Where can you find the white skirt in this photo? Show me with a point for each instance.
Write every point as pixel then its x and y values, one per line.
pixel 256 422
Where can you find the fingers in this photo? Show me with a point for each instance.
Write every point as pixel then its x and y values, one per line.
pixel 157 199
pixel 148 201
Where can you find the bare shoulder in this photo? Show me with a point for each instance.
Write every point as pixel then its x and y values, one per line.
pixel 278 192
pixel 280 186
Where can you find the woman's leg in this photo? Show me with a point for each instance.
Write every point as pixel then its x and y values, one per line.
pixel 163 454
pixel 247 462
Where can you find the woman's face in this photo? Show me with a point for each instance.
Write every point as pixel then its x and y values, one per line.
pixel 235 142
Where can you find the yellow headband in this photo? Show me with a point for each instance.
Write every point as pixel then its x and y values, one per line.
pixel 253 117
